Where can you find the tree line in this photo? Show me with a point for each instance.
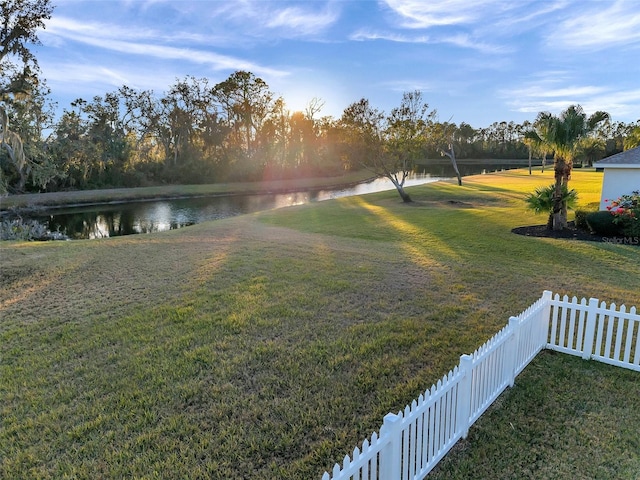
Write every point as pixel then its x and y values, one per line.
pixel 234 130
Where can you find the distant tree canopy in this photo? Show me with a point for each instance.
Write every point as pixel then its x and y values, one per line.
pixel 238 130
pixel 23 94
pixel 235 130
pixel 18 65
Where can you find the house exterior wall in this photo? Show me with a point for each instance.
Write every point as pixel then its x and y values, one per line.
pixel 618 181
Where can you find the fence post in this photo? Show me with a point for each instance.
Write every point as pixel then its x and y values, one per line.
pixel 391 454
pixel 463 412
pixel 590 328
pixel 547 295
pixel 512 348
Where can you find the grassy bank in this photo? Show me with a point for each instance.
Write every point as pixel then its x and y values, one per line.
pixel 269 345
pixel 83 197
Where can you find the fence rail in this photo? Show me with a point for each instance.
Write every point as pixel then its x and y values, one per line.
pixel 413 441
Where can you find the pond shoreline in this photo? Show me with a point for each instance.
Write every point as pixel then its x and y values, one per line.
pixel 37 202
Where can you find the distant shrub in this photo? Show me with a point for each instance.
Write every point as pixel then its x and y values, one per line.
pixel 603 223
pixel 581 218
pixel 27 230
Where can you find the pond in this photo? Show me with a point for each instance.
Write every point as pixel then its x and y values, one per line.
pixel 109 220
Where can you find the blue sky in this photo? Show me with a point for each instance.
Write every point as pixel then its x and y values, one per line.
pixel 477 61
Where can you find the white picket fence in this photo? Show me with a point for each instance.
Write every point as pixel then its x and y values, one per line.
pixel 413 441
pixel 594 331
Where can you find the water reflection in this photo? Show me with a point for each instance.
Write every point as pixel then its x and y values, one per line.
pixel 101 221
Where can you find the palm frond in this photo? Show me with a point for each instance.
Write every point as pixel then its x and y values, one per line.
pixel 543 198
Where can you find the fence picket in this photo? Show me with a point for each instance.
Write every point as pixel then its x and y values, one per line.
pixel 636 357
pixel 554 320
pixel 597 351
pixel 619 332
pixel 438 419
pixel 446 431
pixel 374 460
pixel 608 345
pixel 420 434
pixel 580 339
pixel 406 444
pixel 627 346
pixel 432 426
pixel 446 415
pixel 572 324
pixel 365 465
pixel 355 457
pixel 511 357
pixel 563 321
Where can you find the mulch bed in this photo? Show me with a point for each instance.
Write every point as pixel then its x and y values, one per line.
pixel 571 232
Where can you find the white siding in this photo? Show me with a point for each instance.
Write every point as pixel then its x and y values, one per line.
pixel 618 181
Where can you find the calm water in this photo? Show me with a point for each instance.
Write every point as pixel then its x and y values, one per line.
pixel 100 221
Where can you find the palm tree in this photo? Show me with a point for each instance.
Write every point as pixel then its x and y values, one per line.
pixel 533 138
pixel 562 135
pixel 633 139
pixel 591 149
pixel 543 200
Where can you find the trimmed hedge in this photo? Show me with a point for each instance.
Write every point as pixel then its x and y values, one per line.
pixel 602 223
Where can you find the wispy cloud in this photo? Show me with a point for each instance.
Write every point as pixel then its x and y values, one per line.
pixel 364 34
pixel 120 40
pixel 461 40
pixel 600 25
pixel 555 96
pixel 303 21
pixel 464 24
pixel 66 27
pixel 102 78
pixel 251 19
pixel 421 14
pixel 538 91
pixel 61 28
pixel 411 85
pixel 468 41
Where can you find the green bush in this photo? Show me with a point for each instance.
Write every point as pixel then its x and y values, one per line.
pixel 581 219
pixel 629 227
pixel 602 223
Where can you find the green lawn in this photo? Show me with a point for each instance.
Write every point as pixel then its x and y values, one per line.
pixel 270 345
